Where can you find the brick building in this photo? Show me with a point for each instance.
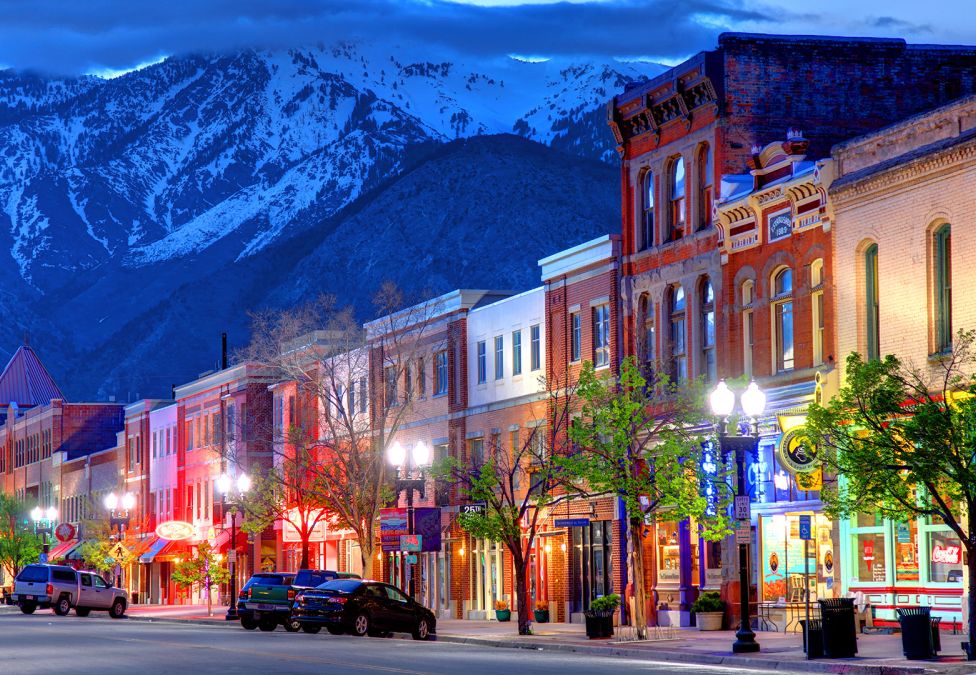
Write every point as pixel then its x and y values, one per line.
pixel 901 200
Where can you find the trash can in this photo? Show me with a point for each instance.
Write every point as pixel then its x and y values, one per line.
pixel 936 637
pixel 916 632
pixel 816 638
pixel 839 627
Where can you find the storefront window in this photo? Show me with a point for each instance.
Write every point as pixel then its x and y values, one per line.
pixel 945 557
pixel 784 567
pixel 713 563
pixel 869 554
pixel 591 563
pixel 668 554
pixel 906 551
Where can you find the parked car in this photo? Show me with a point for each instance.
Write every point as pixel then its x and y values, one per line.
pixel 266 599
pixel 62 589
pixel 360 608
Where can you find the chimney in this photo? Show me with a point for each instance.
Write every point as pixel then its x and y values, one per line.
pixel 223 351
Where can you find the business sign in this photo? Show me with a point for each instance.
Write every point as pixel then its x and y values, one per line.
pixel 806 527
pixel 572 522
pixel 410 559
pixel 868 554
pixel 947 555
pixel 780 226
pixel 426 523
pixel 411 542
pixel 476 509
pixel 65 532
pixel 175 530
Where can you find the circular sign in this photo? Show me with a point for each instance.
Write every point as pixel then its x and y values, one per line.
pixel 796 453
pixel 828 562
pixel 64 532
pixel 175 530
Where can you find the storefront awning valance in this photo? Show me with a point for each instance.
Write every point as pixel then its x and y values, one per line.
pixel 61 550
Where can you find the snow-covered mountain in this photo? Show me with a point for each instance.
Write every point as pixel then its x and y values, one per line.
pixel 162 175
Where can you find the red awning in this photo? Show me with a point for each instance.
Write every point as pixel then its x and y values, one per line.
pixel 222 541
pixel 61 550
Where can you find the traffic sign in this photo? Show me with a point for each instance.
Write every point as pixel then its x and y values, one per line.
pixel 411 542
pixel 43 558
pixel 743 511
pixel 806 528
pixel 572 522
pixel 411 560
pixel 743 533
pixel 232 556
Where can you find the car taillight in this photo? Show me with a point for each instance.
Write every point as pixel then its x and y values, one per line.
pixel 340 600
pixel 50 589
pixel 300 599
pixel 291 593
pixel 244 594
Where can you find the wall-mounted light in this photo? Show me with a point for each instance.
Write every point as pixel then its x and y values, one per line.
pixel 548 548
pixel 562 547
pixel 461 551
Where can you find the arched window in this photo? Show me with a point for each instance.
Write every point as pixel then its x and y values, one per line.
pixel 748 294
pixel 677 198
pixel 645 235
pixel 782 303
pixel 646 335
pixel 707 330
pixel 705 172
pixel 679 351
pixel 817 309
pixel 942 295
pixel 872 303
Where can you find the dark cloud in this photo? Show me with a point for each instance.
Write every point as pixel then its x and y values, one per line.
pixel 890 23
pixel 79 36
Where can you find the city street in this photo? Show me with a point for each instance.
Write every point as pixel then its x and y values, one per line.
pixel 44 643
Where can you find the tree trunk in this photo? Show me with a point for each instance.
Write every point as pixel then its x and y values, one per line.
pixel 971 599
pixel 303 563
pixel 522 591
pixel 366 553
pixel 635 544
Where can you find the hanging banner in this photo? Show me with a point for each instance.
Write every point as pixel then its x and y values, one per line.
pixel 426 521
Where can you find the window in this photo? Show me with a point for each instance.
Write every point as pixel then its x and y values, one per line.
pixel 482 362
pixel 783 318
pixel 476 451
pixel 679 353
pixel 169 437
pixel 390 373
pixel 677 198
pixel 440 373
pixel 516 352
pixel 705 171
pixel 499 357
pixel 407 382
pixel 575 326
pixel 817 306
pixel 421 378
pixel 646 352
pixel 645 233
pixel 708 330
pixel 351 396
pixel 362 395
pixel 601 335
pixel 942 265
pixel 748 335
pixel 535 347
pixel 442 487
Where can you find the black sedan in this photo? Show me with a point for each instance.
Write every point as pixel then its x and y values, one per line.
pixel 361 608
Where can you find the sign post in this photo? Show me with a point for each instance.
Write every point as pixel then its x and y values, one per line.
pixel 806 534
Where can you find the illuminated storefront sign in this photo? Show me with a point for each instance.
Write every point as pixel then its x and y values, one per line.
pixel 175 530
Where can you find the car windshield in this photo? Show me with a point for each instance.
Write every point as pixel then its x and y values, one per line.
pixel 312 578
pixel 33 573
pixel 265 580
pixel 343 586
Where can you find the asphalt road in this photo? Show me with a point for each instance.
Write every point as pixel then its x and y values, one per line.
pixel 44 643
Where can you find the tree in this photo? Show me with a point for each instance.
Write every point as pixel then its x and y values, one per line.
pixel 344 418
pixel 100 551
pixel 643 440
pixel 517 483
pixel 204 569
pixel 19 545
pixel 902 440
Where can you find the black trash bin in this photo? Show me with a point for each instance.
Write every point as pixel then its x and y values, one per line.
pixel 936 637
pixel 839 627
pixel 816 650
pixel 916 632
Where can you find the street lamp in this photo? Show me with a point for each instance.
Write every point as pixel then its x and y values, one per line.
pixel 224 485
pixel 407 480
pixel 119 508
pixel 722 401
pixel 43 524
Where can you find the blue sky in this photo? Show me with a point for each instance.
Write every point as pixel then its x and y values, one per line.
pixel 72 36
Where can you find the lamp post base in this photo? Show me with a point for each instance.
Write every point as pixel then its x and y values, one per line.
pixel 745 643
pixel 232 614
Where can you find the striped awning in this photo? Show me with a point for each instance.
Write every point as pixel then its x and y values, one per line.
pixel 61 550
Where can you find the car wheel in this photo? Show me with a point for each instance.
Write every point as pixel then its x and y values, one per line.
pixel 292 626
pixel 310 629
pixel 28 609
pixel 422 631
pixel 62 606
pixel 335 630
pixel 249 622
pixel 82 611
pixel 267 624
pixel 360 625
pixel 118 609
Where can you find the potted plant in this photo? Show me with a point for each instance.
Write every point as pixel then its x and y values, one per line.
pixel 502 611
pixel 541 612
pixel 599 617
pixel 709 610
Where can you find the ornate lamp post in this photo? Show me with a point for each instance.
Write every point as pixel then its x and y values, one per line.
pixel 224 485
pixel 119 508
pixel 44 520
pixel 409 480
pixel 722 401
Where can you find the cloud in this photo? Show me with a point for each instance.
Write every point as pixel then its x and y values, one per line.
pixel 67 36
pixel 890 23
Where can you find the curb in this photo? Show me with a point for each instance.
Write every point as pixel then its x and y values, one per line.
pixel 195 622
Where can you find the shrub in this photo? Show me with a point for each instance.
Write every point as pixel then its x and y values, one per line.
pixel 501 605
pixel 606 603
pixel 709 601
pixel 542 606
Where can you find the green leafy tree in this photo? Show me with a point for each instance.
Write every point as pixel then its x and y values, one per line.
pixel 517 480
pixel 204 569
pixel 902 438
pixel 19 545
pixel 643 439
pixel 100 551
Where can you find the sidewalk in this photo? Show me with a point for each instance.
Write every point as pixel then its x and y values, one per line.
pixel 877 654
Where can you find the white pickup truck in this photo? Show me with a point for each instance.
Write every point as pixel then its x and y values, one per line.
pixel 62 588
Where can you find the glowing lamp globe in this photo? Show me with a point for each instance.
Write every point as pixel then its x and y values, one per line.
pixel 128 501
pixel 243 483
pixel 52 514
pixel 37 513
pixel 111 501
pixel 722 400
pixel 753 400
pixel 421 454
pixel 223 483
pixel 396 454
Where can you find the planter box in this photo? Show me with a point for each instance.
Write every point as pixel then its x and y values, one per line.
pixel 541 615
pixel 599 624
pixel 503 614
pixel 709 620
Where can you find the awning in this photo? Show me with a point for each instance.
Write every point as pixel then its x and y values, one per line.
pixel 155 549
pixel 222 541
pixel 61 550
